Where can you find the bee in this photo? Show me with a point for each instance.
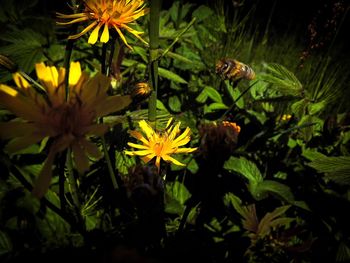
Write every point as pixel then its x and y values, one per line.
pixel 234 70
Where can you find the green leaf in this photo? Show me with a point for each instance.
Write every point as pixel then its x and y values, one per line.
pixel 336 168
pixel 235 201
pixel 175 104
pixel 282 79
pixel 299 108
pixel 171 75
pixel 316 107
pixel 213 94
pixel 235 94
pixel 5 243
pixel 202 97
pixel 193 166
pixel 123 162
pixel 244 167
pixel 214 106
pixel 282 191
pixel 176 196
pixel 160 106
pixel 25 47
pixel 271 220
pixel 312 154
pixel 161 71
pixel 202 12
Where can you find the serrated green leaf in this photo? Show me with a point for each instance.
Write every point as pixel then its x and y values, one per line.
pixel 262 189
pixel 337 168
pixel 25 47
pixel 281 79
pixel 312 154
pixel 273 219
pixel 314 108
pixel 244 167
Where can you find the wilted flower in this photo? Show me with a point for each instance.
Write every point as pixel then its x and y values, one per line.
pixel 160 145
pixel 117 14
pixel 67 120
pixel 218 139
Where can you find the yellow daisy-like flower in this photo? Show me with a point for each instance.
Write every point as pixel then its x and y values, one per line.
pixel 117 14
pixel 69 123
pixel 160 145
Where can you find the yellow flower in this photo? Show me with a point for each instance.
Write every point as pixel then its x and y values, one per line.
pixel 108 14
pixel 68 122
pixel 160 145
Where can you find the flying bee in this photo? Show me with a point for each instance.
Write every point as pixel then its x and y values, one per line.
pixel 234 70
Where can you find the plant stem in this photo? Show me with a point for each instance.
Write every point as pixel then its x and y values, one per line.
pixel 73 187
pixel 111 54
pixel 109 164
pixel 177 38
pixel 153 62
pixel 104 146
pixel 66 64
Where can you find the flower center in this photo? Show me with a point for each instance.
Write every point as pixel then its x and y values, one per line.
pixel 158 148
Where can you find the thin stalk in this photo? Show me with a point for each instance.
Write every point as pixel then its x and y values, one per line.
pixel 111 54
pixel 109 164
pixel 103 59
pixel 66 64
pixel 73 187
pixel 153 61
pixel 239 97
pixel 177 38
pixel 104 145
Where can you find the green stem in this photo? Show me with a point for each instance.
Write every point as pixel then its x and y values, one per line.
pixel 111 54
pixel 109 164
pixel 177 38
pixel 153 62
pixel 103 59
pixel 239 97
pixel 73 187
pixel 66 64
pixel 104 145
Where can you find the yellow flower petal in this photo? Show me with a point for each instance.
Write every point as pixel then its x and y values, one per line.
pixel 112 104
pixel 85 30
pixel 91 149
pixel 21 106
pixel 172 160
pixel 94 35
pixel 80 158
pixel 105 34
pixel 9 130
pixel 74 73
pixel 43 181
pixel 138 146
pixel 122 37
pixel 20 81
pixel 24 142
pixel 146 128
